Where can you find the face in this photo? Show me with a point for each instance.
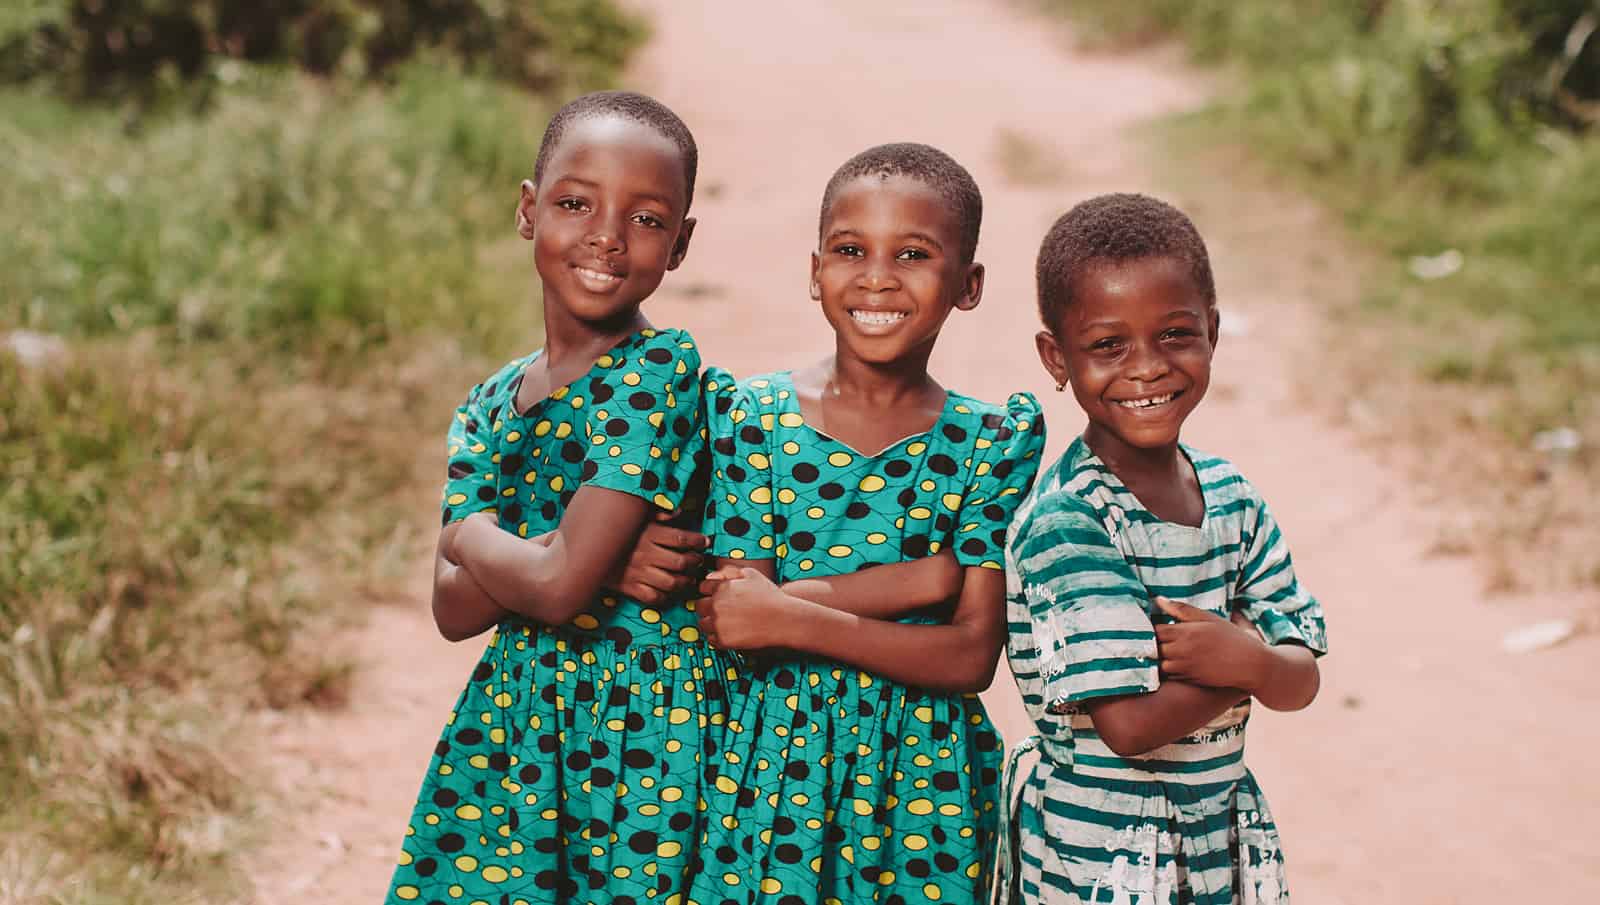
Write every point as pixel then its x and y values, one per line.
pixel 888 270
pixel 607 218
pixel 1136 346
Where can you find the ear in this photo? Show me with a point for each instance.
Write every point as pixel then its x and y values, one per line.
pixel 816 285
pixel 971 288
pixel 1214 321
pixel 1051 356
pixel 680 248
pixel 525 206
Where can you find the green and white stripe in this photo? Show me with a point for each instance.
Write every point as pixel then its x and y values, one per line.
pixel 1184 823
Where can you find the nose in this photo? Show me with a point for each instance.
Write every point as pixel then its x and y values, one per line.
pixel 1147 363
pixel 878 274
pixel 606 235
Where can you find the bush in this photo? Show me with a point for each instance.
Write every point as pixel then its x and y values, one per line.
pixel 112 48
pixel 259 310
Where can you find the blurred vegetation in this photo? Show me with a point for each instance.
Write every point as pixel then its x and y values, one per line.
pixel 221 338
pixel 109 49
pixel 1434 125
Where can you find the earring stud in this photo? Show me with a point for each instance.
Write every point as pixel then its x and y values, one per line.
pixel 1061 386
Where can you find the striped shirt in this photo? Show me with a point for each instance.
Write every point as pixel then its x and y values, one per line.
pixel 1185 822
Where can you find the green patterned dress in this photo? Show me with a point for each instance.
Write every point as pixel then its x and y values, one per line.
pixel 569 769
pixel 832 784
pixel 1184 824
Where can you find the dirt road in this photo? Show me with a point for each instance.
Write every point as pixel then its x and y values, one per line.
pixel 1433 769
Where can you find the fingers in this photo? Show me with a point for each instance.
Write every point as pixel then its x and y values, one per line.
pixel 663 535
pixel 709 586
pixel 1182 611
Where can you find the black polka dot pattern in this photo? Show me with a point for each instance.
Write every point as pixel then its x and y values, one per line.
pixel 571 767
pixel 833 784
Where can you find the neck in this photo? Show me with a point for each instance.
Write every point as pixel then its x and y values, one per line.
pixel 567 337
pixel 1133 463
pixel 886 384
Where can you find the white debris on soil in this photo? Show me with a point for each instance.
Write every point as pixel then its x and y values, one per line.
pixel 1538 636
pixel 35 350
pixel 1437 267
pixel 1557 440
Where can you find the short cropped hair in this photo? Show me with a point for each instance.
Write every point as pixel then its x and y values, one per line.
pixel 639 108
pixel 1110 229
pixel 929 166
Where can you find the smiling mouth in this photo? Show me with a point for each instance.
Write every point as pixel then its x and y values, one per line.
pixel 1148 402
pixel 876 318
pixel 597 277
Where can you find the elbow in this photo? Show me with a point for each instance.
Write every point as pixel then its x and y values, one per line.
pixel 1124 738
pixel 972 671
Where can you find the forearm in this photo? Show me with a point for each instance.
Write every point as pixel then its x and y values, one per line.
pixel 1290 678
pixel 886 591
pixel 1137 724
pixel 950 658
pixel 533 578
pixel 461 607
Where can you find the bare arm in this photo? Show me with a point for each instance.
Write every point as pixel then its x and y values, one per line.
pixel 1135 724
pixel 555 577
pixel 746 611
pixel 461 608
pixel 1208 650
pixel 886 591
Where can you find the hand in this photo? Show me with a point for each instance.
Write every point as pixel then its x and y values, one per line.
pixel 741 609
pixel 664 561
pixel 1205 649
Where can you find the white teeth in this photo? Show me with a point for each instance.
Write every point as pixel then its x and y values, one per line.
pixel 597 276
pixel 1146 402
pixel 876 318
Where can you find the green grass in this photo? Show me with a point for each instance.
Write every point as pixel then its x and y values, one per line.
pixel 263 309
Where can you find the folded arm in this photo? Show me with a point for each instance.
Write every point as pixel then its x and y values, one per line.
pixel 886 591
pixel 552 578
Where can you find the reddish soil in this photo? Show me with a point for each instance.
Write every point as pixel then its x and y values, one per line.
pixel 1434 768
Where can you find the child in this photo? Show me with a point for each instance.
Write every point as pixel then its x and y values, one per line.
pixel 567 770
pixel 858 764
pixel 1141 794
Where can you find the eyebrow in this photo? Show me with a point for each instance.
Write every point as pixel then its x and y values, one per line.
pixel 591 184
pixel 921 237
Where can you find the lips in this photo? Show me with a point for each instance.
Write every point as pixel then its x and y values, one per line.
pixel 871 318
pixel 596 279
pixel 1149 403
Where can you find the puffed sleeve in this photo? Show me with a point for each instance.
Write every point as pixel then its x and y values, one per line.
pixel 471 476
pixel 1087 612
pixel 739 506
pixel 1009 447
pixel 644 419
pixel 1268 592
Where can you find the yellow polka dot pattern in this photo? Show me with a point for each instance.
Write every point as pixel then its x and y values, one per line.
pixel 832 784
pixel 569 769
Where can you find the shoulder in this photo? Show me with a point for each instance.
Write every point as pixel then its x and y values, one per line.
pixel 664 348
pixel 503 383
pixel 1226 489
pixel 987 424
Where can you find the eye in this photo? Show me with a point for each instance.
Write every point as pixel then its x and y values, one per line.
pixel 648 219
pixel 571 204
pixel 1106 344
pixel 848 250
pixel 913 254
pixel 1178 334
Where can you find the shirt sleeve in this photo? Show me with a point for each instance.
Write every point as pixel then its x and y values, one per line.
pixel 471 476
pixel 1008 452
pixel 739 514
pixel 644 421
pixel 1087 610
pixel 1268 592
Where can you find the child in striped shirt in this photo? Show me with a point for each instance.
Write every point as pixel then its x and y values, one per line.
pixel 1150 595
